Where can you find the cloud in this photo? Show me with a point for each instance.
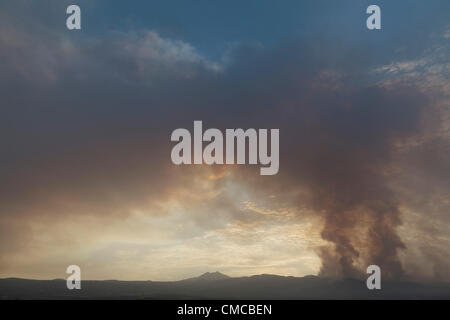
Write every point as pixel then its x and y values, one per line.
pixel 86 173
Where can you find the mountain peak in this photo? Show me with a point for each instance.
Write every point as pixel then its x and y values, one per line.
pixel 213 276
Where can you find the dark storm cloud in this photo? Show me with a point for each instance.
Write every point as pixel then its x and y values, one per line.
pixel 86 122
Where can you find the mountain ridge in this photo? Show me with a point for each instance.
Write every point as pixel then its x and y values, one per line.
pixel 215 285
pixel 209 276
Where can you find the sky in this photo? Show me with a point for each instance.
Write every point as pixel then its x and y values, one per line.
pixel 86 115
